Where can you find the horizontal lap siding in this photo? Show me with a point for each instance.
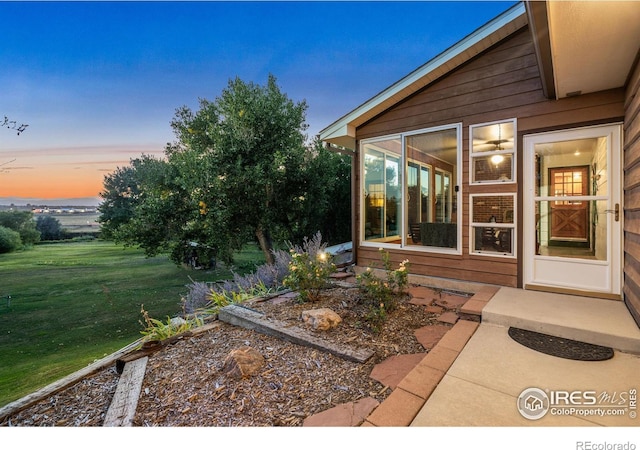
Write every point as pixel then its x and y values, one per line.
pixel 500 84
pixel 632 197
pixel 476 269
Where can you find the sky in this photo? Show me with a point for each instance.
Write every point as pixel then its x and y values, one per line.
pixel 98 83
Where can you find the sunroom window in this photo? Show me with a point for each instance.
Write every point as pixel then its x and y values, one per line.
pixel 433 157
pixel 492 152
pixel 492 224
pixel 382 190
pixel 409 189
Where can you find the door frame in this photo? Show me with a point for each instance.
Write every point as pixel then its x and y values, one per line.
pixel 602 279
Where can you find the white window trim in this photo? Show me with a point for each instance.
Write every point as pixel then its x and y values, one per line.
pixel 513 226
pixel 456 194
pixel 513 152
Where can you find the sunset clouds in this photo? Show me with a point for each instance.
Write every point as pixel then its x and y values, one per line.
pixel 98 83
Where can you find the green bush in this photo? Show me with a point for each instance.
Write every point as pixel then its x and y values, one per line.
pixel 381 295
pixel 309 269
pixel 9 240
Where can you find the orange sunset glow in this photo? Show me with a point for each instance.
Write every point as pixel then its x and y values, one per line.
pixel 64 173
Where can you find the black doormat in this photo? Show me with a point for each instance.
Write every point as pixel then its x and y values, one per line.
pixel 560 347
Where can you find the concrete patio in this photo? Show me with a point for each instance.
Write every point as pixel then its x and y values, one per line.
pixel 482 386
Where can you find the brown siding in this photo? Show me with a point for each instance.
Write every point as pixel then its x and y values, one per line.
pixel 502 83
pixel 632 196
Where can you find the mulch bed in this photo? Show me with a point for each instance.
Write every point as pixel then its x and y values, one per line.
pixel 184 384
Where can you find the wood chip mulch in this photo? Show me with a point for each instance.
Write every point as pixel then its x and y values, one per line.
pixel 184 384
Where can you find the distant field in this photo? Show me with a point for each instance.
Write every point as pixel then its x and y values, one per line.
pixel 64 305
pixel 77 223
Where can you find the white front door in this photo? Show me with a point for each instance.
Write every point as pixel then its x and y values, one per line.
pixel 573 211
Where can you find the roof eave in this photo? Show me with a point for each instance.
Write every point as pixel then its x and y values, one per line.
pixel 539 24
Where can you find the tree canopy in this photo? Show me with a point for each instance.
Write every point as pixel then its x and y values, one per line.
pixel 21 222
pixel 240 169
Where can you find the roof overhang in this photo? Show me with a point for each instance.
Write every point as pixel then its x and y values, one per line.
pixel 343 131
pixel 584 46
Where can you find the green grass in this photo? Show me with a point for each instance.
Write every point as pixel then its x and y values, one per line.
pixel 74 303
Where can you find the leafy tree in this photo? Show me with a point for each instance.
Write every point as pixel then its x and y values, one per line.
pixel 21 222
pixel 252 139
pixel 9 240
pixel 122 192
pixel 327 205
pixel 239 170
pixel 50 228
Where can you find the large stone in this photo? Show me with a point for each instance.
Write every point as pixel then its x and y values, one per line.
pixel 429 335
pixel 451 301
pixel 350 414
pixel 392 370
pixel 321 319
pixel 243 362
pixel 448 317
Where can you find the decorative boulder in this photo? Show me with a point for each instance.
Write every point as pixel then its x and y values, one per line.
pixel 321 319
pixel 243 362
pixel 177 322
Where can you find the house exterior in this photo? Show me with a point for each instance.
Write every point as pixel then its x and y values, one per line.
pixel 512 158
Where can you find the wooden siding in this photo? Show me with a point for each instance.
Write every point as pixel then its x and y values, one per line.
pixel 502 83
pixel 632 196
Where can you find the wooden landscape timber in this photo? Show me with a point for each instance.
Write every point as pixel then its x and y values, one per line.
pixel 123 406
pixel 254 320
pixel 130 353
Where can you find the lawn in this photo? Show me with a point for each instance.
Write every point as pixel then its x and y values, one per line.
pixel 73 303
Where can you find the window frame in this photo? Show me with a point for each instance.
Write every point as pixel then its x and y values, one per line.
pixel 475 155
pixel 455 192
pixel 512 226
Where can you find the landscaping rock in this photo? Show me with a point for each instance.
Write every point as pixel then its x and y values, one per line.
pixel 243 362
pixel 321 319
pixel 448 317
pixel 392 370
pixel 430 335
pixel 420 301
pixel 451 301
pixel 177 322
pixel 350 414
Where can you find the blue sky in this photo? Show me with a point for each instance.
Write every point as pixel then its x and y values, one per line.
pixel 99 82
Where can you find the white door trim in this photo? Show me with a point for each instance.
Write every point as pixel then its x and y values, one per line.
pixel 569 273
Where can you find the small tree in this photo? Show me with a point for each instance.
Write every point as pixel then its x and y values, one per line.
pixel 23 223
pixel 50 228
pixel 9 240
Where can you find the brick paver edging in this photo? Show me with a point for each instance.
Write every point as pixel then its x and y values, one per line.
pixel 406 401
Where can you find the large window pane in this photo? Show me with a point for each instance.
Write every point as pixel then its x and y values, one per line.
pixel 431 165
pixel 382 191
pixel 570 208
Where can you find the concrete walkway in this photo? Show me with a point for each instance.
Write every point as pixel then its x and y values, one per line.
pixel 484 383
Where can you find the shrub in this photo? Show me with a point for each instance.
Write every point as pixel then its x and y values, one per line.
pixel 9 240
pixel 155 329
pixel 310 268
pixel 267 277
pixel 381 295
